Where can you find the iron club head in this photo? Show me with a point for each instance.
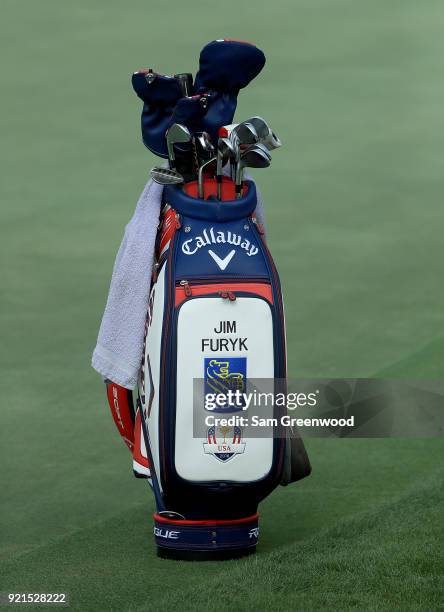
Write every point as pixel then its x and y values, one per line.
pixel 244 133
pixel 265 133
pixel 272 141
pixel 225 153
pixel 204 146
pixel 253 157
pixel 206 166
pixel 176 134
pixel 166 176
pixel 259 146
pixel 261 126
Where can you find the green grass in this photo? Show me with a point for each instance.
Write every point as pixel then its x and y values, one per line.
pixel 355 216
pixel 360 563
pixel 310 533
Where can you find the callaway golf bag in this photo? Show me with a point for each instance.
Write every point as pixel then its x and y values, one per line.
pixel 215 314
pixel 215 310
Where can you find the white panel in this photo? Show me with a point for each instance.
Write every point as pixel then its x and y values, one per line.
pixel 142 443
pixel 198 319
pixel 152 349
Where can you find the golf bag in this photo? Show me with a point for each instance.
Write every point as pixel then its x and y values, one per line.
pixel 215 310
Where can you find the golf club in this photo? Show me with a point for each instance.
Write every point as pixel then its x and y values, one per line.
pixel 272 141
pixel 242 134
pixel 225 153
pixel 206 165
pixel 253 157
pixel 265 133
pixel 204 147
pixel 176 134
pixel 166 176
pixel 245 133
pixel 261 126
pixel 185 80
pixel 262 147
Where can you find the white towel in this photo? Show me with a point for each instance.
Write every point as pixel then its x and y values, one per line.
pixel 118 352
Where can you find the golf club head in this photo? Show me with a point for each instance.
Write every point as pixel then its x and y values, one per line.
pixel 261 126
pixel 244 133
pixel 259 146
pixel 165 176
pixel 272 141
pixel 265 134
pixel 209 166
pixel 204 147
pixel 176 134
pixel 253 157
pixel 225 152
pixel 204 140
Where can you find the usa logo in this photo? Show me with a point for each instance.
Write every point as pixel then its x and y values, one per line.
pixel 224 443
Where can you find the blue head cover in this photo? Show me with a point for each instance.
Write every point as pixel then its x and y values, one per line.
pixel 160 95
pixel 228 66
pixel 225 67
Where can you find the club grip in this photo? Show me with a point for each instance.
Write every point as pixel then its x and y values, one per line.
pixel 185 80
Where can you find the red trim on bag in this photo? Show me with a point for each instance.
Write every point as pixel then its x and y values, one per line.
pixel 121 413
pixel 249 519
pixel 210 188
pixel 137 452
pixel 168 229
pixel 256 288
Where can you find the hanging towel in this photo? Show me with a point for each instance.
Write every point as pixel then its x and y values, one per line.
pixel 118 352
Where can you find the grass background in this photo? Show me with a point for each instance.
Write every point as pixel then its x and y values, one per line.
pixel 355 215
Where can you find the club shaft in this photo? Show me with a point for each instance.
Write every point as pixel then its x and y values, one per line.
pixel 200 185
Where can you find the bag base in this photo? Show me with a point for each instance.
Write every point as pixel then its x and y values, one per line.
pixel 205 539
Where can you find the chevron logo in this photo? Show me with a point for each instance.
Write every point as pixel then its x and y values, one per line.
pixel 222 263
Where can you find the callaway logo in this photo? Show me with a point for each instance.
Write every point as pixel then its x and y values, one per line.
pixel 208 237
pixel 222 263
pixel 254 533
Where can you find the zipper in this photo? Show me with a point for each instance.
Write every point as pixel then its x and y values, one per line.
pixel 186 287
pixel 223 294
pixel 211 280
pixel 225 279
pixel 227 295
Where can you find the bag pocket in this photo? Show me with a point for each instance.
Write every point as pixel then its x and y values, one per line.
pixel 224 331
